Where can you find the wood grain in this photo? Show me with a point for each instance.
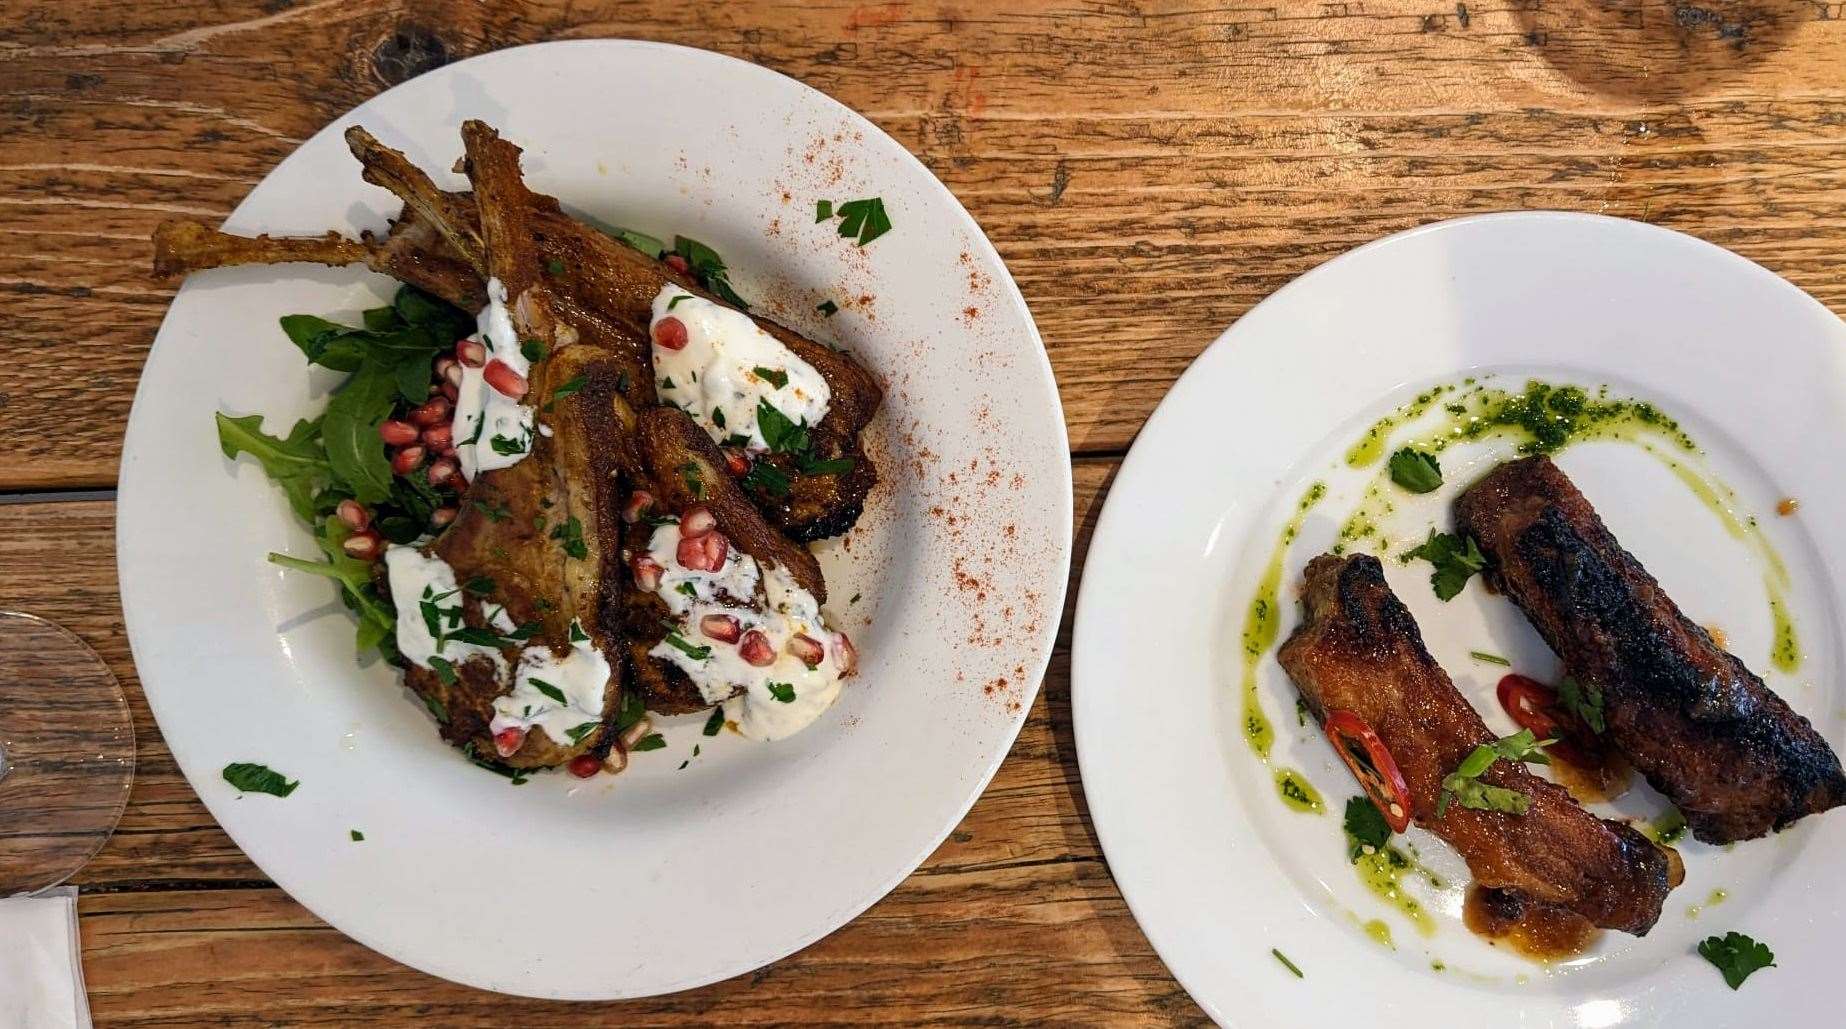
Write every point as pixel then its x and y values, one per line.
pixel 1148 170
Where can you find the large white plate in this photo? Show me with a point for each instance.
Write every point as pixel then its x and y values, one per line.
pixel 1216 869
pixel 658 879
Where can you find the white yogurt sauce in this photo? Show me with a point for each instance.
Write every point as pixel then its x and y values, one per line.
pixel 715 378
pixel 779 610
pixel 415 578
pixel 492 430
pixel 581 677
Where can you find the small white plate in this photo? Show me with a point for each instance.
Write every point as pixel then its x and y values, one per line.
pixel 658 879
pixel 1217 870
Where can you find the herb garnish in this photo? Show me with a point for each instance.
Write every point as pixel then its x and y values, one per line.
pixel 555 266
pixel 1365 828
pixel 578 732
pixel 677 642
pixel 533 350
pixel 767 478
pixel 823 210
pixel 774 376
pixel 480 585
pixel 1286 963
pixel 781 433
pixel 445 670
pixel 671 304
pixel 568 388
pixel 254 778
pixel 436 707
pixel 652 741
pixel 1415 470
pixel 827 308
pixel 695 483
pixel 508 446
pixel 1490 659
pixel 1463 785
pixel 782 691
pixel 1583 701
pixel 714 723
pixel 865 219
pixel 710 269
pixel 577 635
pixel 1456 559
pixel 571 535
pixel 497 512
pixel 358 837
pixel 549 690
pixel 1736 956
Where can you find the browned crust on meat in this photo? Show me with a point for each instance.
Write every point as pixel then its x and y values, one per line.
pixel 1360 650
pixel 1704 729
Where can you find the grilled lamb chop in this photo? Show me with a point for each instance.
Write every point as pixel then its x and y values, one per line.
pixel 1703 729
pixel 1359 650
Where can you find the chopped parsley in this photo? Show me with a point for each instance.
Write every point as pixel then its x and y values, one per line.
pixel 577 635
pixel 823 210
pixel 358 837
pixel 534 350
pixel 495 512
pixel 688 589
pixel 1415 470
pixel 714 724
pixel 1736 956
pixel 695 483
pixel 570 534
pixel 811 465
pixel 767 478
pixel 827 308
pixel 710 269
pixel 436 707
pixel 578 732
pixel 445 670
pixel 568 388
pixel 508 446
pixel 555 266
pixel 652 741
pixel 717 417
pixel 1286 963
pixel 666 382
pixel 1463 785
pixel 1489 659
pixel 1456 559
pixel 480 585
pixel 253 778
pixel 782 434
pixel 671 304
pixel 865 219
pixel 774 376
pixel 1583 701
pixel 782 691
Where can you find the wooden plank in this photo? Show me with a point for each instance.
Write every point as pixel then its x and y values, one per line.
pixel 1148 171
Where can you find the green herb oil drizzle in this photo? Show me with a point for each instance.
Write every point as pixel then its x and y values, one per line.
pixel 1262 622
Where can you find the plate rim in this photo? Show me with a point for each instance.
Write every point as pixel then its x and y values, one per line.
pixel 129 488
pixel 1092 744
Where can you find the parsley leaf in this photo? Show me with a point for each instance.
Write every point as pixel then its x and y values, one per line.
pixel 445 670
pixel 1286 963
pixel 570 387
pixel 782 434
pixel 767 478
pixel 710 269
pixel 774 376
pixel 533 350
pixel 508 446
pixel 678 642
pixel 1365 827
pixel 695 483
pixel 570 534
pixel 827 308
pixel 358 837
pixel 1736 956
pixel 633 709
pixel 782 691
pixel 577 635
pixel 652 741
pixel 480 585
pixel 1583 701
pixel 865 219
pixel 1415 470
pixel 1456 558
pixel 578 732
pixel 823 210
pixel 641 241
pixel 555 266
pixel 1489 659
pixel 253 778
pixel 714 724
pixel 497 512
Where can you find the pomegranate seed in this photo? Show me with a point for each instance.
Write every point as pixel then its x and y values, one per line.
pixel 507 741
pixel 847 656
pixel 639 503
pixel 647 573
pixel 722 628
pixel 670 334
pixel 703 553
pixel 407 459
pixel 452 391
pixel 736 462
pixel 442 471
pixel 353 514
pixel 697 522
pixel 806 649
pixel 364 546
pixel 471 352
pixel 503 378
pixel 397 433
pixel 755 649
pixel 442 516
pixel 440 436
pixel 678 263
pixel 436 411
pixel 583 766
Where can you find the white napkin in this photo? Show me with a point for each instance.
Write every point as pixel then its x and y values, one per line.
pixel 41 971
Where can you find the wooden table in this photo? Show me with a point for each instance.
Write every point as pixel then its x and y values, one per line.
pixel 1148 169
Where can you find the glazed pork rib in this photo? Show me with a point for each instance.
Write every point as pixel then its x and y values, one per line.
pixel 1359 650
pixel 1703 729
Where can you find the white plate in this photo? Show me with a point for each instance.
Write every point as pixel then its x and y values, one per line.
pixel 1216 869
pixel 658 879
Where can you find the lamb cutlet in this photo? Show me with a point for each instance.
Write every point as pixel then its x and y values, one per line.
pixel 1360 651
pixel 604 287
pixel 1704 730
